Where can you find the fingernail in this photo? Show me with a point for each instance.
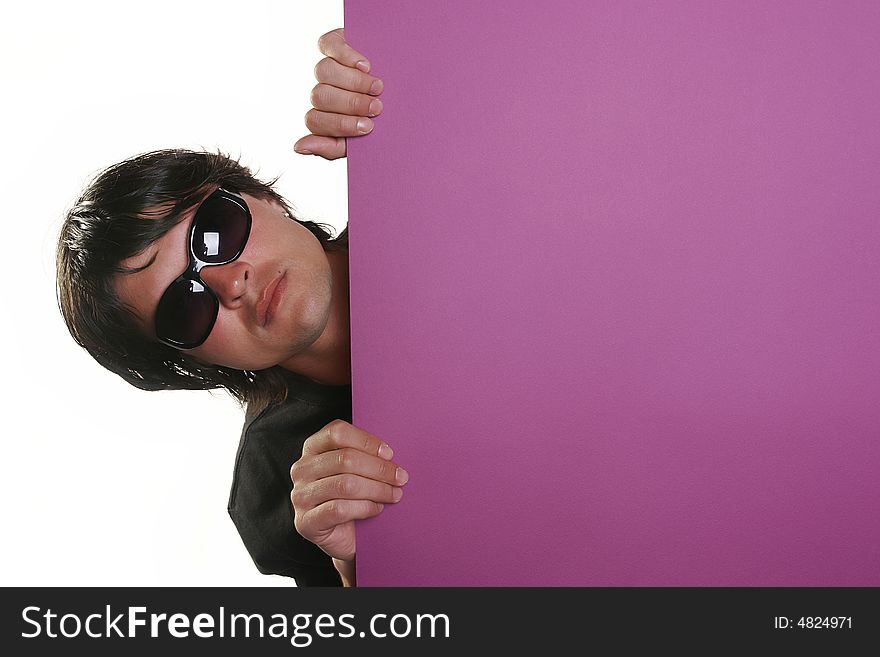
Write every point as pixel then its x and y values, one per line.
pixel 380 505
pixel 377 87
pixel 375 107
pixel 402 476
pixel 303 151
pixel 397 494
pixel 363 65
pixel 386 452
pixel 364 125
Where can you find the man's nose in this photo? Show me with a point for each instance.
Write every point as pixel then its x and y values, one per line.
pixel 229 282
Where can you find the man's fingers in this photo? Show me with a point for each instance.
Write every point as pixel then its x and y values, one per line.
pixel 344 487
pixel 351 461
pixel 333 44
pixel 331 72
pixel 343 100
pixel 339 433
pixel 326 98
pixel 330 148
pixel 337 125
pixel 330 514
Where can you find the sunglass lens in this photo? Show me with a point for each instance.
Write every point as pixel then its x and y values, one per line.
pixel 186 314
pixel 221 230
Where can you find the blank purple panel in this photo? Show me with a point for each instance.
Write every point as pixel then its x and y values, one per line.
pixel 615 292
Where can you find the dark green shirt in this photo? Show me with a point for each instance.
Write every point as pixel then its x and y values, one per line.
pixel 259 502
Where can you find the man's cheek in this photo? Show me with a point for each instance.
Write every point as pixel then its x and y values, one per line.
pixel 221 347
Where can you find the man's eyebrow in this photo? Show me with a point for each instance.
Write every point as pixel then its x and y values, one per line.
pixel 135 270
pixel 186 215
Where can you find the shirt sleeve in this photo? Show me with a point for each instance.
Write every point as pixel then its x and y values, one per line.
pixel 259 502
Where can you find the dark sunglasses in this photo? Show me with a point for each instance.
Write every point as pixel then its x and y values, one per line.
pixel 188 308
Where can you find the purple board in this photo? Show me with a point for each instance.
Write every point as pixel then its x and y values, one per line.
pixel 615 292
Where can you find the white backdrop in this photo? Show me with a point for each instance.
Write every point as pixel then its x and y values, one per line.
pixel 104 484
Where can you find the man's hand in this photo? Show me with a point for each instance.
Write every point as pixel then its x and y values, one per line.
pixel 342 101
pixel 344 474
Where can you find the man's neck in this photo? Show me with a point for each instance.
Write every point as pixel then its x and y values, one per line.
pixel 328 360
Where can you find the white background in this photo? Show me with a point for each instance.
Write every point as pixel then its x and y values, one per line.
pixel 104 484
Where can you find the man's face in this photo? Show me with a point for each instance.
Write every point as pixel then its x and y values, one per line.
pixel 280 254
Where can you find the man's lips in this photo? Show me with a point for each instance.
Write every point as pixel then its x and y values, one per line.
pixel 271 297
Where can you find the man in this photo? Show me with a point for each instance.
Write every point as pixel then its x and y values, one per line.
pixel 180 270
